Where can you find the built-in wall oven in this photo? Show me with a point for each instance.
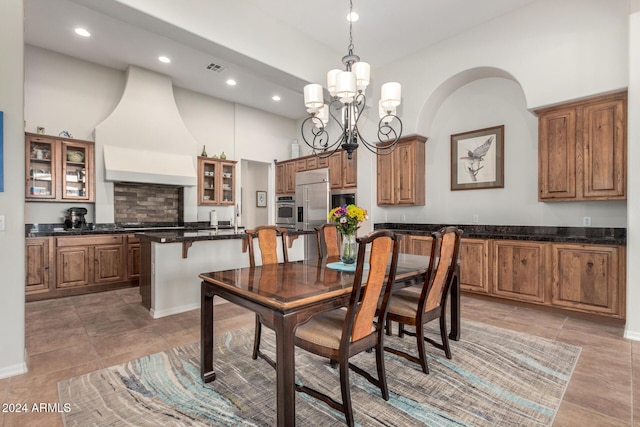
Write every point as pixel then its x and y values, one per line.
pixel 342 197
pixel 285 212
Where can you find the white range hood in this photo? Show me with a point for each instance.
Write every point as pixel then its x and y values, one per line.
pixel 151 167
pixel 144 139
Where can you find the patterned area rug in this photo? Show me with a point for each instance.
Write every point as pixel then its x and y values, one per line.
pixel 496 377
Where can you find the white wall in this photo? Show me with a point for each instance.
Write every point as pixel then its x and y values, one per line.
pixel 12 326
pixel 255 177
pixel 53 101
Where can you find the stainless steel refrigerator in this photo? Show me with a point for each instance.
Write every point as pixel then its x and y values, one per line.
pixel 312 204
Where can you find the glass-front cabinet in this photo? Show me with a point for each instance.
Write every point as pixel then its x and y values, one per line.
pixel 216 181
pixel 59 169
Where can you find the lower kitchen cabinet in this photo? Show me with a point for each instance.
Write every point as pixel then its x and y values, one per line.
pixel 38 262
pixel 589 278
pixel 518 269
pixel 567 277
pixel 474 269
pixel 81 264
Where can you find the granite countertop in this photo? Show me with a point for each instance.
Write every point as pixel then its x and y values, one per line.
pixel 177 236
pixel 583 235
pixel 57 230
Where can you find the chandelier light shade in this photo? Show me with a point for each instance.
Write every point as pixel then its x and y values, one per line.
pixel 347 101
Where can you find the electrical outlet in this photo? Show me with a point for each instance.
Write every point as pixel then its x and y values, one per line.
pixel 475 218
pixel 586 221
pixel 1 222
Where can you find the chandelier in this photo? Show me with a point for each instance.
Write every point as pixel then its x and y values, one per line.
pixel 347 89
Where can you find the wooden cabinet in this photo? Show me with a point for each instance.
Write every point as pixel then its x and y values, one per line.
pixel 589 278
pixel 518 269
pixel 474 268
pixel 343 173
pixel 89 260
pixel 582 150
pixel 401 173
pixel 568 276
pixel 416 245
pixel 59 169
pixel 74 265
pixel 216 181
pixel 133 257
pixel 38 263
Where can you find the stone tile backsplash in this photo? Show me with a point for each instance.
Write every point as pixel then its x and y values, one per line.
pixel 147 203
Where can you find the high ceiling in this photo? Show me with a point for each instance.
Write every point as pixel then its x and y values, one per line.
pixel 268 46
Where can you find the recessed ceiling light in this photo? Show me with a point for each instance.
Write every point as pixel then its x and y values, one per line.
pixel 164 59
pixel 82 32
pixel 275 98
pixel 231 82
pixel 353 17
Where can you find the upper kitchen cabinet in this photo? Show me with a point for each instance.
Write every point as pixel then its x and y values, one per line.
pixel 582 150
pixel 216 181
pixel 59 169
pixel 343 173
pixel 401 173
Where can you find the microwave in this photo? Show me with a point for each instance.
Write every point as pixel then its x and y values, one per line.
pixel 342 197
pixel 285 212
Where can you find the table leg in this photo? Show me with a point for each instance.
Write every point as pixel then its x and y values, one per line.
pixel 285 369
pixel 455 307
pixel 206 334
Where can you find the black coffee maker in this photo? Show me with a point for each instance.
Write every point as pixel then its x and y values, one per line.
pixel 74 220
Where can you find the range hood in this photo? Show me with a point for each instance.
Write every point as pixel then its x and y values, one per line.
pixel 144 139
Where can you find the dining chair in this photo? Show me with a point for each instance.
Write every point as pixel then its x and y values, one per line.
pixel 267 237
pixel 328 240
pixel 345 332
pixel 416 306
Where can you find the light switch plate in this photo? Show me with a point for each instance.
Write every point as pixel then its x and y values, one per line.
pixel 1 222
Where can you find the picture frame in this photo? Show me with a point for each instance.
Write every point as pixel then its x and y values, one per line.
pixel 477 159
pixel 261 199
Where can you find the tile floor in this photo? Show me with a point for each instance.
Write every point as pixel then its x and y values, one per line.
pixel 71 336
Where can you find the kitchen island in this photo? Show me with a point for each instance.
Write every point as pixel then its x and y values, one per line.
pixel 170 262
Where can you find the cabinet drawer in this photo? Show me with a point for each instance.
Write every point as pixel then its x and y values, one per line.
pixel 132 239
pixel 89 240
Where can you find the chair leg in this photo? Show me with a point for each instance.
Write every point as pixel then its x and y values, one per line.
pixel 382 376
pixel 388 327
pixel 400 330
pixel 256 338
pixel 421 351
pixel 443 335
pixel 346 392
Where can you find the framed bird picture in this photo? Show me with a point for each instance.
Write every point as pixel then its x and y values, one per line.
pixel 477 159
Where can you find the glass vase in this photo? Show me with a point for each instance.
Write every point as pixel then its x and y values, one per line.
pixel 348 250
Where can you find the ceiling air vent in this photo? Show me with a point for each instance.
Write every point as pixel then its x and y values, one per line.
pixel 216 67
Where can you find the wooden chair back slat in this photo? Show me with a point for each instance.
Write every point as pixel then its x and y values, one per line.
pixel 267 236
pixel 328 240
pixel 447 254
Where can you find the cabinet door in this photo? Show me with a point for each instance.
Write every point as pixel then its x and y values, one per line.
pixel 227 179
pixel 323 162
pixel 280 178
pixel 409 173
pixel 37 261
pixel 335 171
pixel 301 165
pixel 474 268
pixel 420 245
pixel 208 174
pixel 519 270
pixel 41 168
pixel 604 143
pixel 312 163
pixel 73 266
pixel 77 171
pixel 349 170
pixel 588 278
pixel 290 181
pixel 384 171
pixel 133 257
pixel 557 155
pixel 109 264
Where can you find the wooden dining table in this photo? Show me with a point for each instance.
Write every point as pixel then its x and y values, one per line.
pixel 286 295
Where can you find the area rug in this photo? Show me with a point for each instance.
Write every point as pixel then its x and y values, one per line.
pixel 496 378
